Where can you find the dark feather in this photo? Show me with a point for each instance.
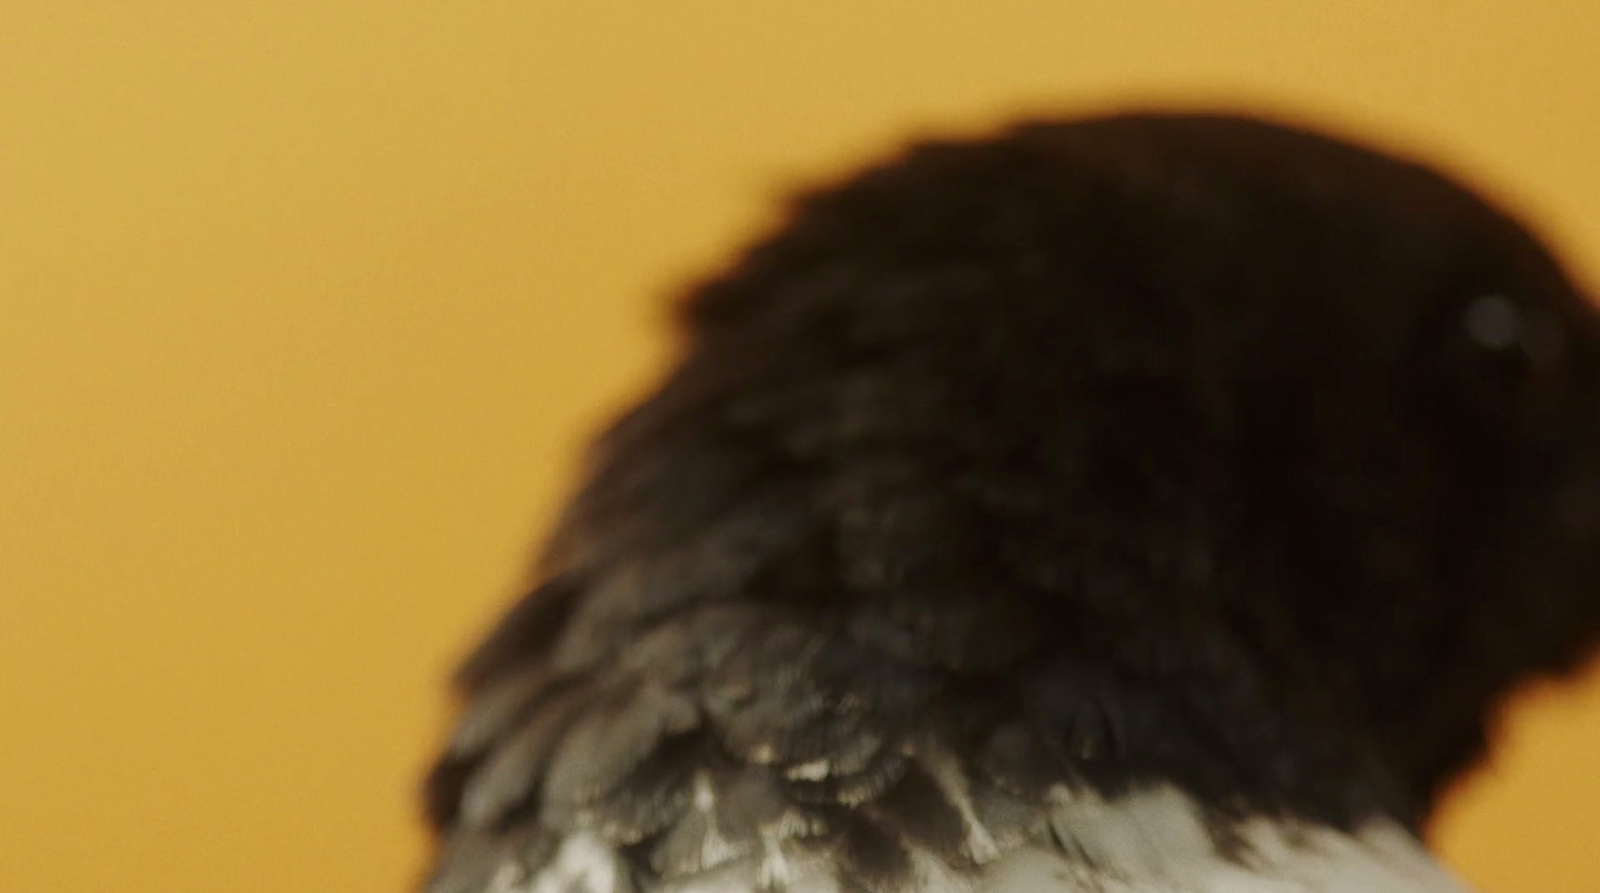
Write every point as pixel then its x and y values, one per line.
pixel 1021 475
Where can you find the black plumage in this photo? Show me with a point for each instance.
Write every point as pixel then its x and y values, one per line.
pixel 1189 449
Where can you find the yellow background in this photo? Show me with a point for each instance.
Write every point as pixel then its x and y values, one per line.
pixel 305 307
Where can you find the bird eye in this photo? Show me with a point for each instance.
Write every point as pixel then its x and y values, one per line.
pixel 1497 323
pixel 1493 322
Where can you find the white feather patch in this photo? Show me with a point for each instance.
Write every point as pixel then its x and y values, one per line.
pixel 1153 841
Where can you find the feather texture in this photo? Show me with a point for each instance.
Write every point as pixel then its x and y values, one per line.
pixel 1138 504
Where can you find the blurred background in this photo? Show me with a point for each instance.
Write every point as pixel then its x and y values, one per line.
pixel 306 308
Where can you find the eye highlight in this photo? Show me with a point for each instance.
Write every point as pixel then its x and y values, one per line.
pixel 1493 321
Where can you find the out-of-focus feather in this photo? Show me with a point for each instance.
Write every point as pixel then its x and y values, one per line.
pixel 1127 505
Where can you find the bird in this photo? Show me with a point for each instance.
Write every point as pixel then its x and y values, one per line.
pixel 1137 501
